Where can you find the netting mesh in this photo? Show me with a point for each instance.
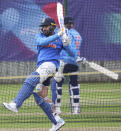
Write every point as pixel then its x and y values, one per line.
pixel 98 22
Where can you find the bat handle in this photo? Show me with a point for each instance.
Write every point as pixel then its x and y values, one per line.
pixel 64 37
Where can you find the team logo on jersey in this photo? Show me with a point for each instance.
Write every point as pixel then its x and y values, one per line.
pixel 50 45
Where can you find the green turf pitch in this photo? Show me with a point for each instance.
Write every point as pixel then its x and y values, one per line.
pixel 100 107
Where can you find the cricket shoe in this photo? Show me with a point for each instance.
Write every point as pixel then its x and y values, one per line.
pixel 11 106
pixel 59 124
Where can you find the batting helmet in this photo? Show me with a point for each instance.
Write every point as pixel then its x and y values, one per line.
pixel 48 21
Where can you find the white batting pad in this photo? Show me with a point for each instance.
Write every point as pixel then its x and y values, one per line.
pixel 46 70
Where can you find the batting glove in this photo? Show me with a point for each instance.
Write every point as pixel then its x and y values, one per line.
pixel 61 32
pixel 65 40
pixel 81 59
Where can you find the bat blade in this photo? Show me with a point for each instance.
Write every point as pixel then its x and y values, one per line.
pixel 60 15
pixel 103 70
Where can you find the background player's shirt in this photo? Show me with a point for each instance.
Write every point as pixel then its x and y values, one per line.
pixel 75 45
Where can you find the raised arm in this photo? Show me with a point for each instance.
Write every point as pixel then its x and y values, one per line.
pixel 43 40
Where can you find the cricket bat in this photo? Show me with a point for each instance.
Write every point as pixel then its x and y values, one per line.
pixel 103 70
pixel 60 15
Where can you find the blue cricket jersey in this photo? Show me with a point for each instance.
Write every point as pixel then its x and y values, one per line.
pixel 49 48
pixel 75 45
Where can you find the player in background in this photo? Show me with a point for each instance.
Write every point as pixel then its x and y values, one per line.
pixel 49 46
pixel 68 64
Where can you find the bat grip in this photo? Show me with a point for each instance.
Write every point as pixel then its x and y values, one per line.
pixel 64 37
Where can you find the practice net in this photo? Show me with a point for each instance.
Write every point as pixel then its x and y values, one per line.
pixel 98 22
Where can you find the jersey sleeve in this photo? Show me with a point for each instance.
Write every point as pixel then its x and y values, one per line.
pixel 42 40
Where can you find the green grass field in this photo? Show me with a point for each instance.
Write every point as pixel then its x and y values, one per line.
pixel 100 108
